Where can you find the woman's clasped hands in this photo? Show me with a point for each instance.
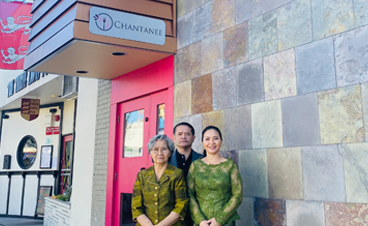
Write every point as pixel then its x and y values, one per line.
pixel 210 222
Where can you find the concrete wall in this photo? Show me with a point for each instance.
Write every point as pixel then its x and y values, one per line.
pixel 100 153
pixel 286 82
pixel 81 200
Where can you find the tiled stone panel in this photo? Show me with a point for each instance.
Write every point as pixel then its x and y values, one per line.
pixel 184 30
pixel 323 173
pixel 233 155
pixel 247 9
pixel 202 94
pixel 238 128
pixel 223 15
pixel 360 12
pixel 212 54
pixel 300 121
pixel 294 24
pixel 253 169
pixel 57 212
pixel 215 118
pixel 262 35
pixel 185 6
pixel 305 213
pixel 268 5
pixel 250 82
pixel 285 173
pixel 269 212
pixel 196 122
pixel 331 17
pixel 340 114
pixel 315 70
pixel 183 99
pixel 352 57
pixel 356 172
pixel 364 89
pixel 279 75
pixel 266 124
pixel 246 212
pixel 235 45
pixel 346 214
pixel 202 22
pixel 188 62
pixel 224 88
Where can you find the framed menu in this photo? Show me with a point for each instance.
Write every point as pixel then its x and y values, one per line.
pixel 46 156
pixel 45 191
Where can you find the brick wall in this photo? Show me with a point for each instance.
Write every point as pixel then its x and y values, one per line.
pixel 57 213
pixel 100 156
pixel 286 81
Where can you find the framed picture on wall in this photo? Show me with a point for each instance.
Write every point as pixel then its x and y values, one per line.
pixel 46 156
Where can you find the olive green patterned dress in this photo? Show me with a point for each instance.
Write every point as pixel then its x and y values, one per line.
pixel 214 191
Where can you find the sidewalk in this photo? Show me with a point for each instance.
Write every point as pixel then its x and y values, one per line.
pixel 4 221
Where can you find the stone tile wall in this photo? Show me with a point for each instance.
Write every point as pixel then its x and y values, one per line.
pixel 287 83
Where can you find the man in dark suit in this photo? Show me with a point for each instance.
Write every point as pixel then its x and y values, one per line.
pixel 184 155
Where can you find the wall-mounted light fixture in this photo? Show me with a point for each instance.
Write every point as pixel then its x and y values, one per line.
pixel 118 54
pixel 53 110
pixel 5 116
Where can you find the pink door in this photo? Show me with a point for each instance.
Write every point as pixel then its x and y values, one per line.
pixel 138 121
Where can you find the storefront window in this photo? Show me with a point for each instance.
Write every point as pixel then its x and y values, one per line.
pixel 27 152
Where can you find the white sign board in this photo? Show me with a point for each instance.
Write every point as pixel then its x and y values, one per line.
pixel 126 26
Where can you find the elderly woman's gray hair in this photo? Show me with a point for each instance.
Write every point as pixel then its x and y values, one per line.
pixel 152 143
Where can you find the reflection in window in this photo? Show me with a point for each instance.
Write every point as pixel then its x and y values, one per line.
pixel 27 151
pixel 133 134
pixel 160 119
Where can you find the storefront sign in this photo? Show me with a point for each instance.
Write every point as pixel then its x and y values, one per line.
pixel 126 26
pixel 20 82
pixel 52 130
pixel 30 109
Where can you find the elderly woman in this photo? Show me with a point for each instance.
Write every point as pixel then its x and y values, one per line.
pixel 214 184
pixel 159 193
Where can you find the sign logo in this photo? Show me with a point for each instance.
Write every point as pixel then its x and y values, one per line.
pixel 103 21
pixel 117 24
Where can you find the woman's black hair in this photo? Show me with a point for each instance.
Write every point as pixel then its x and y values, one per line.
pixel 209 128
pixel 205 130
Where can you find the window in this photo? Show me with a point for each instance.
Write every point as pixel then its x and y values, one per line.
pixel 27 152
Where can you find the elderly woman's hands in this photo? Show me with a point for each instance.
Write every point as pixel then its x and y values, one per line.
pixel 213 222
pixel 205 223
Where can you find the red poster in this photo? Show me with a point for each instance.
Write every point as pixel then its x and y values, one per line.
pixel 30 109
pixel 52 130
pixel 15 19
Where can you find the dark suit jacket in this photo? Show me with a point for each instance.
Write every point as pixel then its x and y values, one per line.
pixel 174 161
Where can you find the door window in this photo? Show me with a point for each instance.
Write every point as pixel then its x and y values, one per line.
pixel 160 119
pixel 133 134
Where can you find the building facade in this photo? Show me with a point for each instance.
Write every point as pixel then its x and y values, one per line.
pixel 285 80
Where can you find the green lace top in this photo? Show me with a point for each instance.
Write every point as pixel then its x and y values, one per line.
pixel 214 191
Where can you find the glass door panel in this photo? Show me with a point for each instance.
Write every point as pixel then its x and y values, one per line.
pixel 133 134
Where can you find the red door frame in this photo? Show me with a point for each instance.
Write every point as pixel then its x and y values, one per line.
pixel 144 81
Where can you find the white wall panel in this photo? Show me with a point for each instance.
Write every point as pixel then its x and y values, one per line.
pixel 30 195
pixel 15 198
pixel 48 180
pixel 80 213
pixel 3 193
pixel 68 117
pixel 15 128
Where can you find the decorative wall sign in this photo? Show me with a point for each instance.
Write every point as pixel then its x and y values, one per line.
pixel 46 156
pixel 45 191
pixel 30 109
pixel 52 130
pixel 126 26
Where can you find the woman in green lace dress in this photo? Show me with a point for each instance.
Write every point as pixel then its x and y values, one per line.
pixel 214 184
